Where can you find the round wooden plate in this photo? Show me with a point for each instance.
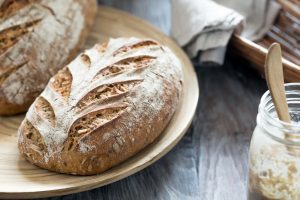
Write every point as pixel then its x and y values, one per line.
pixel 20 179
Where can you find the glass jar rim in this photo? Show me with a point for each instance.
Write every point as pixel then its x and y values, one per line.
pixel 287 128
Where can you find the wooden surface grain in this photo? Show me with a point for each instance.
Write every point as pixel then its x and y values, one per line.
pixel 210 162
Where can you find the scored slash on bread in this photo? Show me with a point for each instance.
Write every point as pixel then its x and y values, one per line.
pixel 37 38
pixel 105 106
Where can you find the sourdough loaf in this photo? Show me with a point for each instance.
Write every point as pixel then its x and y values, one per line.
pixel 102 108
pixel 37 38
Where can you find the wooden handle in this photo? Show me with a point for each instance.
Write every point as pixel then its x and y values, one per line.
pixel 275 80
pixel 257 55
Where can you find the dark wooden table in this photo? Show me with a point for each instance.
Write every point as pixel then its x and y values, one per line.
pixel 210 162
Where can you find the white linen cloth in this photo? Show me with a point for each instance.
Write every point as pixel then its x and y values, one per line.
pixel 204 27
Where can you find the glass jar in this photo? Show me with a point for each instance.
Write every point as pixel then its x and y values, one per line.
pixel 274 154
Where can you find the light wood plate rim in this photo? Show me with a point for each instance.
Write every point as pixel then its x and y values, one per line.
pixel 134 164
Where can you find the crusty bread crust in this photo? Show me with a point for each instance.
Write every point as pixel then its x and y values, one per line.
pixel 37 38
pixel 104 107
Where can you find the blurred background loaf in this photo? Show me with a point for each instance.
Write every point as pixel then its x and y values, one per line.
pixel 37 38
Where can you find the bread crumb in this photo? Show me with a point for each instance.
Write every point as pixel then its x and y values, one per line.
pixel 116 147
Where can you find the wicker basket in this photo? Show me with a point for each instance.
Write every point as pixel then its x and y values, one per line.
pixel 286 31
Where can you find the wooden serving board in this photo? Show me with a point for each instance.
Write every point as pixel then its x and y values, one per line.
pixel 20 179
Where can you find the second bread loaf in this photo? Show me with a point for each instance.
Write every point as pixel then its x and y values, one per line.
pixel 37 38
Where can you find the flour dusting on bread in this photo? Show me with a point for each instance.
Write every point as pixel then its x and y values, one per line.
pixel 123 93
